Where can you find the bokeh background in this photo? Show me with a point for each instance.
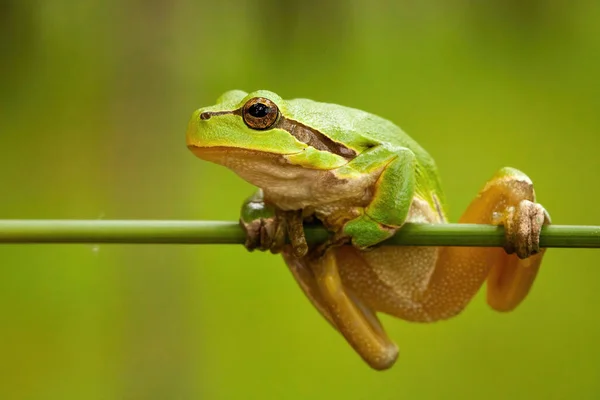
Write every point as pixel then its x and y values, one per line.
pixel 95 98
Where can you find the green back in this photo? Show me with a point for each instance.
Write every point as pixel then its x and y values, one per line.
pixel 360 130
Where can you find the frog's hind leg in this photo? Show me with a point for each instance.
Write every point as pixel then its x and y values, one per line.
pixel 508 199
pixel 320 280
pixel 512 274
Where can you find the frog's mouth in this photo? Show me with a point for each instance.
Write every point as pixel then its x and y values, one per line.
pixel 223 155
pixel 244 161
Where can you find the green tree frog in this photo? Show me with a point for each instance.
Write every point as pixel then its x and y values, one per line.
pixel 363 178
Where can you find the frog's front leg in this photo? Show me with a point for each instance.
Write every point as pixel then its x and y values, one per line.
pixel 392 197
pixel 508 199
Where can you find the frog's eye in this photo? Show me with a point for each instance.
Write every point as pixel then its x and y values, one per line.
pixel 260 113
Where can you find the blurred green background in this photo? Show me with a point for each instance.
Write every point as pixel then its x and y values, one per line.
pixel 94 102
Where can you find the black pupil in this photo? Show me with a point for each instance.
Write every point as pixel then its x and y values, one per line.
pixel 258 110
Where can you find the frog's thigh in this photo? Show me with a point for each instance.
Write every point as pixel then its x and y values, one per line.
pixel 508 277
pixel 322 284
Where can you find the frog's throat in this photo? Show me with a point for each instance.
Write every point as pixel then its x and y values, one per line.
pixel 289 186
pixel 301 132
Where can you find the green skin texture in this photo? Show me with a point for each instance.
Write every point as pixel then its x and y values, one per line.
pixel 408 170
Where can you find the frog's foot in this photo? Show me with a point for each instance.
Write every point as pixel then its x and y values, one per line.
pixel 264 234
pixel 269 233
pixel 267 227
pixel 523 224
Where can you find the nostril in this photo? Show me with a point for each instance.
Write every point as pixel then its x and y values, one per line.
pixel 204 116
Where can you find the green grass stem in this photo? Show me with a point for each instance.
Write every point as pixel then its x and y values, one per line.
pixel 226 232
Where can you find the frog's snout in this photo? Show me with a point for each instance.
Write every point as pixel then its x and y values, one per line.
pixel 191 135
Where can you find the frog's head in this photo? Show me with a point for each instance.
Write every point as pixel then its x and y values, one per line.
pixel 252 130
